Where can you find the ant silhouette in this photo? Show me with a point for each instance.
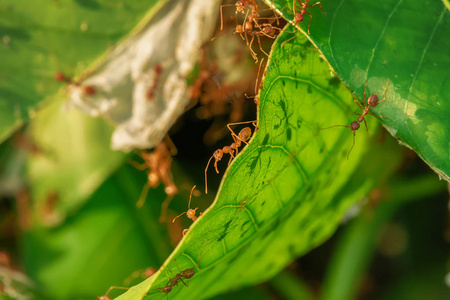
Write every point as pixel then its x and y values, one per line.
pixel 369 103
pixel 87 90
pixel 243 136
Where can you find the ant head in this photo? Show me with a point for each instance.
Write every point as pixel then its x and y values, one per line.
pixel 268 30
pixel 218 154
pixel 354 126
pixel 167 289
pixel 60 77
pixel 245 134
pixel 373 100
pixel 89 90
pixel 298 17
pixel 240 6
pixel 239 29
pixel 191 213
pixel 189 273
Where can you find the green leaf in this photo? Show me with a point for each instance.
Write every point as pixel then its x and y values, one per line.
pixel 358 242
pixel 75 153
pixel 287 191
pixel 74 161
pixel 403 41
pixel 64 36
pixel 106 241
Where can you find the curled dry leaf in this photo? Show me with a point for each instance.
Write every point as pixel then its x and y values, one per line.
pixel 141 84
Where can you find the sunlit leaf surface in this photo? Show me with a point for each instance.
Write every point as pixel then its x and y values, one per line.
pixel 287 191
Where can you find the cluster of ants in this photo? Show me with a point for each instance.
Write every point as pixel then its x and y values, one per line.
pixel 252 27
pixel 158 163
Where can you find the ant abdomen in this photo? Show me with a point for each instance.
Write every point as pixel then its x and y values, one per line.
pixel 372 100
pixel 189 273
pixel 355 125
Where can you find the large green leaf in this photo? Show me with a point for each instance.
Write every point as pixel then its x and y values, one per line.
pixel 107 240
pixel 406 41
pixel 75 149
pixel 42 37
pixel 287 191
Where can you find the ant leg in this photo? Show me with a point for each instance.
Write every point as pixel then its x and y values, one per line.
pixel 164 207
pixel 378 116
pixel 260 47
pixel 365 123
pixel 143 196
pixel 295 36
pixel 310 19
pixel 365 100
pixel 348 126
pixel 221 14
pixel 359 104
pixel 206 176
pixel 231 157
pixel 138 166
pixel 318 3
pixel 354 133
pixel 233 134
pixel 252 52
pixel 385 93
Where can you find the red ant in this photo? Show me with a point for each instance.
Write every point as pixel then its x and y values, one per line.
pixel 247 27
pixel 189 273
pixel 158 163
pixel 299 16
pixel 257 86
pixel 370 103
pixel 240 8
pixel 87 90
pixel 191 212
pixel 157 74
pixel 243 136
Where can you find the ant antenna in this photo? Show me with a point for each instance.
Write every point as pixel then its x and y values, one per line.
pixel 255 97
pixel 189 206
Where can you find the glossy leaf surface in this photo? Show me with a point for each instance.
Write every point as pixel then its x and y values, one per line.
pixel 404 41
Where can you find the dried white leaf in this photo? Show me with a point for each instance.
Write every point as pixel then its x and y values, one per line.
pixel 158 58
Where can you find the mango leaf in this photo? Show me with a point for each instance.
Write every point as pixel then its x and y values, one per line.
pixel 373 42
pixel 64 36
pixel 287 191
